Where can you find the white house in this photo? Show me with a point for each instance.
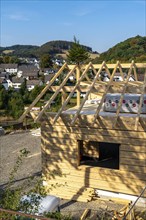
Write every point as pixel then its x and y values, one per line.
pixel 117 77
pixel 17 82
pixel 10 68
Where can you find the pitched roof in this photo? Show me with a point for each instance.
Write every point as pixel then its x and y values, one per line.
pixel 48 77
pixel 3 74
pixel 28 68
pixel 8 65
pixel 17 80
pixel 33 82
pixel 3 81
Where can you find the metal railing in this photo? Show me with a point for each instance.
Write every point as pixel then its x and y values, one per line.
pixel 134 204
pixel 24 214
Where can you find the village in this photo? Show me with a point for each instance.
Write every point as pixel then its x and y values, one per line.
pixel 72 110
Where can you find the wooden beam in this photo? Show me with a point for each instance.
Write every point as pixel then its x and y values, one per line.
pixel 42 93
pixel 123 93
pixel 78 92
pixel 72 92
pixel 121 72
pixel 141 101
pixel 123 65
pixel 55 94
pixel 103 97
pixel 85 213
pixel 87 94
pixel 135 72
pixel 111 66
pixel 64 95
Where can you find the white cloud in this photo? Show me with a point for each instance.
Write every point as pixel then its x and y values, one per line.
pixel 67 24
pixel 18 17
pixel 83 12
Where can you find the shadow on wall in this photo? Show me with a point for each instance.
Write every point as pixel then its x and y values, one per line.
pixel 60 158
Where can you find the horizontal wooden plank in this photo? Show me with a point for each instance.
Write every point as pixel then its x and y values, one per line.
pixel 93 179
pixel 57 141
pixel 112 66
pixel 123 123
pixel 133 162
pixel 69 196
pixel 58 162
pixel 133 155
pixel 111 186
pixel 60 155
pixel 127 147
pixel 97 131
pixel 130 168
pixel 96 137
pixel 50 148
pixel 105 172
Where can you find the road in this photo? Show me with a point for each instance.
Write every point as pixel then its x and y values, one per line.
pixel 10 146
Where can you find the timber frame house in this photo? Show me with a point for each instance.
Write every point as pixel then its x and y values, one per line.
pixel 101 142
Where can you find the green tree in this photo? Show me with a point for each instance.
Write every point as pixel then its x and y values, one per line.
pixel 23 88
pixel 1 60
pixel 46 61
pixel 3 97
pixel 77 53
pixel 14 59
pixel 15 105
pixel 6 59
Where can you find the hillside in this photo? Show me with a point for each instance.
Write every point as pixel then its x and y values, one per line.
pixel 52 47
pixel 131 49
pixel 19 50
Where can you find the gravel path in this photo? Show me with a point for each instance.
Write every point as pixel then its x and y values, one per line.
pixel 10 146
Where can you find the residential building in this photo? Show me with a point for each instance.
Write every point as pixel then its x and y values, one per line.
pixel 10 68
pixel 17 82
pixel 30 84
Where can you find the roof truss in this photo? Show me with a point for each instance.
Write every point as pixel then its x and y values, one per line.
pixel 81 73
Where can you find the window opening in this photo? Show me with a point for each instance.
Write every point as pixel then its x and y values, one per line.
pixel 99 154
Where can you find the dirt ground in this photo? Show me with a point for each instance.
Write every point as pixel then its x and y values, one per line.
pixel 10 146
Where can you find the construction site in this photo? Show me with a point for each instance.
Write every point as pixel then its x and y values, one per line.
pixel 99 145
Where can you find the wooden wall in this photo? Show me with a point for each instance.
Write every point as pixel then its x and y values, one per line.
pixel 60 156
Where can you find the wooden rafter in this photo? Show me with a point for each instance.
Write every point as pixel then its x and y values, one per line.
pixel 93 86
pixel 121 72
pixel 103 97
pixel 87 94
pixel 72 92
pixel 140 103
pixel 55 94
pixel 135 72
pixel 123 93
pixel 42 93
pixel 78 73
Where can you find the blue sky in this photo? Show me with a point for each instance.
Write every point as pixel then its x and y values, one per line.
pixel 98 24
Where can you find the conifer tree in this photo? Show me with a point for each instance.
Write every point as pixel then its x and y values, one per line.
pixel 77 53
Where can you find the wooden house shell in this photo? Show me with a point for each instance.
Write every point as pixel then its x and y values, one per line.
pixel 86 148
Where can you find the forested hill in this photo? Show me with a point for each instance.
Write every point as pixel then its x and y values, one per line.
pixel 20 50
pixel 59 46
pixel 52 47
pixel 131 49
